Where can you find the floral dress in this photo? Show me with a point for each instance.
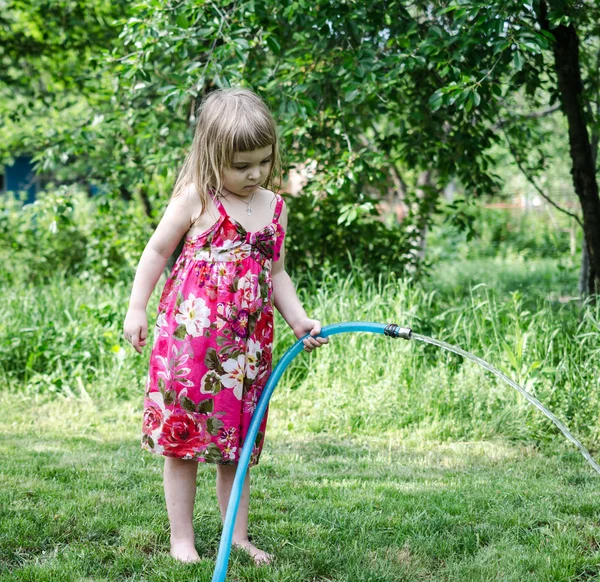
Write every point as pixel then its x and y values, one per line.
pixel 213 341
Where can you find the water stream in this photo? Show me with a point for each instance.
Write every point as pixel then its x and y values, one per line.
pixel 520 389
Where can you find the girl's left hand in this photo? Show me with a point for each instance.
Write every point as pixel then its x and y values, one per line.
pixel 312 326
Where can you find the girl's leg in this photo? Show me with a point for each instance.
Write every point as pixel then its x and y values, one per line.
pixel 180 491
pixel 225 476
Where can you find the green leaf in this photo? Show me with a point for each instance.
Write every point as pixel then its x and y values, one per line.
pixel 548 35
pixel 187 404
pixel 182 21
pixel 211 383
pixel 170 397
pixel 259 439
pixel 518 60
pixel 252 319
pixel 206 406
pixel 211 359
pixel 149 440
pixel 273 44
pixel 180 332
pixel 351 96
pixel 436 100
pixel 447 9
pixel 242 42
pixel 213 425
pixel 212 453
pixel 500 46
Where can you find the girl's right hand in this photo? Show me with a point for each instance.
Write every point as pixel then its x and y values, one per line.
pixel 135 328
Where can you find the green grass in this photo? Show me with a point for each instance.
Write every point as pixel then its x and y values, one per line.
pixel 385 459
pixel 80 501
pixel 555 280
pixel 65 339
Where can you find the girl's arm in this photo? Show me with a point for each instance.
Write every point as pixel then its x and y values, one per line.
pixel 288 304
pixel 173 225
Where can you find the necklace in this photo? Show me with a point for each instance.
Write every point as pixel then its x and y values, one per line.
pixel 248 209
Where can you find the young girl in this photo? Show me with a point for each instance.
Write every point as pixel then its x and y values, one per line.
pixel 213 339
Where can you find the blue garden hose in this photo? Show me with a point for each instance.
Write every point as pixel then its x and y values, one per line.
pixel 390 330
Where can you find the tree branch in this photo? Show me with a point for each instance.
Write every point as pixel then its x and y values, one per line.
pixel 535 115
pixel 532 182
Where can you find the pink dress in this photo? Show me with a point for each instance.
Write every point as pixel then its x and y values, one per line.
pixel 213 343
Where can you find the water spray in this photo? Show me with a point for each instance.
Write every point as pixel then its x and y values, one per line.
pixel 391 330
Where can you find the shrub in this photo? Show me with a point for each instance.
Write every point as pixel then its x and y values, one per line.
pixel 66 231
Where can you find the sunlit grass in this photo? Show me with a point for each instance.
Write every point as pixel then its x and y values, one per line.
pixel 385 459
pixel 80 501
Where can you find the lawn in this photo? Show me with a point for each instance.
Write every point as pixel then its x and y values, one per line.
pixel 385 460
pixel 80 501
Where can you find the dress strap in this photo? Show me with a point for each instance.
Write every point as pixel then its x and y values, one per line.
pixel 218 203
pixel 278 208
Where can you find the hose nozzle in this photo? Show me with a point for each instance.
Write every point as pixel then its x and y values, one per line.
pixel 395 331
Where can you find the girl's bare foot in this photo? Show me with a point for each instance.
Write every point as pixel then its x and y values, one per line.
pixel 259 557
pixel 184 552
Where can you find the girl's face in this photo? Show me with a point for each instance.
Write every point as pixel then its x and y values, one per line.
pixel 248 171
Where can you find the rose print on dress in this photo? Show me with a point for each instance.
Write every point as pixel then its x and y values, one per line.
pixel 153 417
pixel 185 433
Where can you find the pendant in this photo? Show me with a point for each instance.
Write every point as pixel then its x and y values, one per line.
pixel 249 211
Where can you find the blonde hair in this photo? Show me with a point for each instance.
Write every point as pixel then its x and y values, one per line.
pixel 229 121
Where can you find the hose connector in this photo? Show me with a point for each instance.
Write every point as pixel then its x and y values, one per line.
pixel 395 331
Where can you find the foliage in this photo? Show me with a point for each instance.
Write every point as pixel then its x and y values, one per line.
pixel 505 233
pixel 51 74
pixel 361 93
pixel 70 343
pixel 65 231
pixel 326 234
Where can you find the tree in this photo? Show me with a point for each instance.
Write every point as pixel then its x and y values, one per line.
pixel 51 78
pixel 546 53
pixel 374 94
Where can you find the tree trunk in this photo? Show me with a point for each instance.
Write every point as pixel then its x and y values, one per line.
pixel 570 86
pixel 584 271
pixel 146 204
pixel 426 201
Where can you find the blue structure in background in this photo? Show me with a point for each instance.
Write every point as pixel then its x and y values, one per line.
pixel 20 176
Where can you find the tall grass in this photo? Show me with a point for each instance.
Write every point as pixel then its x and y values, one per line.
pixel 63 340
pixel 369 384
